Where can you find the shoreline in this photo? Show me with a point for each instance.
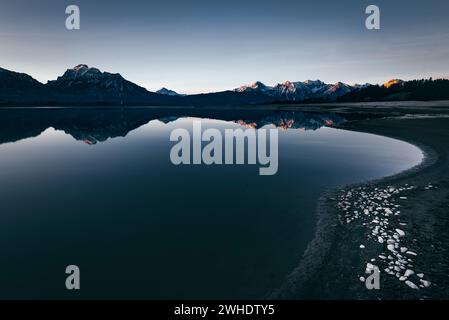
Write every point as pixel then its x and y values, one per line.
pixel 333 264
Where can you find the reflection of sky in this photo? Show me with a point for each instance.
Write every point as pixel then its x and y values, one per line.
pixel 200 45
pixel 377 155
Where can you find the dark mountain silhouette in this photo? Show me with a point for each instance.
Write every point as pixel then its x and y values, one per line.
pixel 90 84
pixel 398 90
pixel 19 87
pixel 168 92
pixel 84 86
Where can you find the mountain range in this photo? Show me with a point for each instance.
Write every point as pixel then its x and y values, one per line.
pixel 302 91
pixel 85 86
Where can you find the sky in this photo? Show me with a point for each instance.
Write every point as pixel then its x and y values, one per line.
pixel 194 46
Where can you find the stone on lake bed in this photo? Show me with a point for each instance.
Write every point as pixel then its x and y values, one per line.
pixel 400 232
pixel 408 273
pixel 362 246
pixel 425 283
pixel 387 270
pixel 362 279
pixel 411 284
pixel 370 267
pixel 420 275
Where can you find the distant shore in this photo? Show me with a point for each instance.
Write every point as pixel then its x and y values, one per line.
pixel 334 263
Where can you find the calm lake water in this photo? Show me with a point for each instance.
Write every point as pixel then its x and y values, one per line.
pixel 97 189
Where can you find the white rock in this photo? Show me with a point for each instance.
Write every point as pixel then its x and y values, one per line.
pixel 408 273
pixel 370 267
pixel 403 278
pixel 362 279
pixel 420 275
pixel 411 284
pixel 425 283
pixel 411 253
pixel 400 232
pixel 362 246
pixel 380 239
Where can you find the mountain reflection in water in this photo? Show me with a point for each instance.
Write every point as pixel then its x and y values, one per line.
pixel 98 125
pixel 121 210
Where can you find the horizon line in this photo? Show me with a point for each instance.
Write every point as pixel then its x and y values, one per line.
pixel 195 92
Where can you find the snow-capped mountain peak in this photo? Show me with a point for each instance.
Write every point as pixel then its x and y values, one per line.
pixel 255 86
pixel 94 85
pixel 81 67
pixel 315 83
pixel 300 91
pixel 83 72
pixel 167 92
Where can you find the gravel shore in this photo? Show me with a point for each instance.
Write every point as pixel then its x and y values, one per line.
pixel 398 225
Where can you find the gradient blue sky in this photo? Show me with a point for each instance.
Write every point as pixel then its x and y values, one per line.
pixel 200 46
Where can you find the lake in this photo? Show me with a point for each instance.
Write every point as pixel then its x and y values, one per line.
pixel 96 188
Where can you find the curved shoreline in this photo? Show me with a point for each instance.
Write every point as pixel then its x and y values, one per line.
pixel 308 279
